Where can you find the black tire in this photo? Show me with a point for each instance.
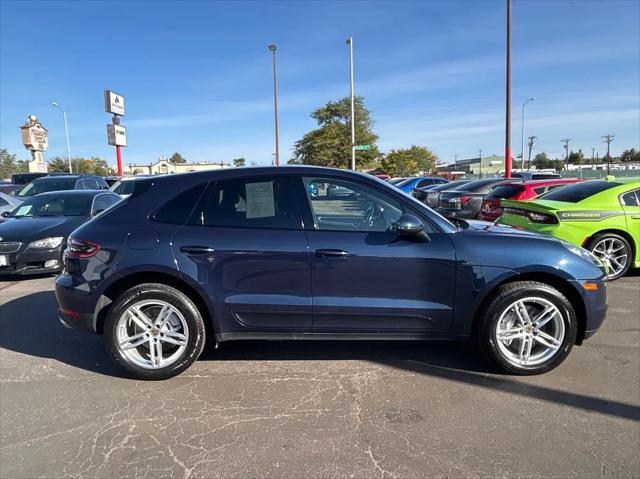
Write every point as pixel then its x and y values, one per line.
pixel 628 251
pixel 193 318
pixel 504 297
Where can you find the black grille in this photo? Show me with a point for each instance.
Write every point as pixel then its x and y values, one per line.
pixel 9 246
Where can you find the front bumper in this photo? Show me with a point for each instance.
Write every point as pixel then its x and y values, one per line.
pixel 28 261
pixel 595 305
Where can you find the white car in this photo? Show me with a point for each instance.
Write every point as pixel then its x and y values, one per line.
pixel 124 186
pixel 8 203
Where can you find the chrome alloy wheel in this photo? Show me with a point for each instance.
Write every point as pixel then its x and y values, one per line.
pixel 530 331
pixel 613 253
pixel 152 334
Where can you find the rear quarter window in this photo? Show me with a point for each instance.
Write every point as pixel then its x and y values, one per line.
pixel 178 209
pixel 579 191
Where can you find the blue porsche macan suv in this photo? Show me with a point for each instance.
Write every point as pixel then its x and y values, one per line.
pixel 274 253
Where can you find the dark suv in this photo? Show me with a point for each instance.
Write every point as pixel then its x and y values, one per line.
pixel 62 183
pixel 271 253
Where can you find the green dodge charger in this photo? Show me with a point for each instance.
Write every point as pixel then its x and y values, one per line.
pixel 602 216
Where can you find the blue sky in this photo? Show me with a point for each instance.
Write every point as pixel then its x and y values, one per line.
pixel 197 75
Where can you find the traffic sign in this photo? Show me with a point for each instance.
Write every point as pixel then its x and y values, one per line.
pixel 362 147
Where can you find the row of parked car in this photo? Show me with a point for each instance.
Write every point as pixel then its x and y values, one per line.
pixel 37 218
pixel 603 216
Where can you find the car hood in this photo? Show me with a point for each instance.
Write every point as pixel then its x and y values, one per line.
pixel 30 229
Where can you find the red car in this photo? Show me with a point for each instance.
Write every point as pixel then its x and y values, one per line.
pixel 527 190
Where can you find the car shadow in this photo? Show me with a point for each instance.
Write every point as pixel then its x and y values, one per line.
pixel 29 325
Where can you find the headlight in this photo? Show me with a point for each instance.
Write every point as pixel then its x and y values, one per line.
pixel 47 243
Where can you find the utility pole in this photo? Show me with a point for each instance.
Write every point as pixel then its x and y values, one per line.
pixel 272 49
pixel 566 150
pixel 593 154
pixel 507 141
pixel 522 133
pixel 353 107
pixel 455 162
pixel 532 141
pixel 480 155
pixel 608 139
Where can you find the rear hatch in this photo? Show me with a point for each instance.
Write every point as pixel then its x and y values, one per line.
pixel 455 200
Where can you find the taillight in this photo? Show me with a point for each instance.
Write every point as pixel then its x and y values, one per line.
pixel 465 199
pixel 542 218
pixel 77 248
pixel 533 216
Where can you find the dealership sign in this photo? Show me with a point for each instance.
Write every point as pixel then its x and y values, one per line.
pixel 116 135
pixel 113 103
pixel 34 136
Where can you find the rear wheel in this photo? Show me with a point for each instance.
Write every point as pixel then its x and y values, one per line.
pixel 528 328
pixel 154 331
pixel 613 250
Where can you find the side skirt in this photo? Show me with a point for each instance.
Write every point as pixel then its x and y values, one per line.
pixel 222 337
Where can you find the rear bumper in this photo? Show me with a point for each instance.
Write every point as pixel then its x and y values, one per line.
pixel 77 306
pixel 464 214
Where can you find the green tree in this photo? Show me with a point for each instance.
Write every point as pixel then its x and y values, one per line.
pixel 239 162
pixel 7 164
pixel 177 158
pixel 58 165
pixel 630 155
pixel 541 160
pixel 408 161
pixel 576 158
pixel 330 143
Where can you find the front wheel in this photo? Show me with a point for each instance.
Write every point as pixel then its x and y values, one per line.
pixel 528 328
pixel 154 331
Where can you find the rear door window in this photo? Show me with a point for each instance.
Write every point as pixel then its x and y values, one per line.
pixel 631 198
pixel 266 202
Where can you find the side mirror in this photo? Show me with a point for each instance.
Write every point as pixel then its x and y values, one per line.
pixel 5 214
pixel 409 225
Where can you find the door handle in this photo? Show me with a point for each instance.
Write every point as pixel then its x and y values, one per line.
pixel 334 253
pixel 197 249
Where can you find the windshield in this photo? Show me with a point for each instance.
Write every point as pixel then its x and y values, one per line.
pixel 579 191
pixel 52 205
pixel 50 184
pixel 123 187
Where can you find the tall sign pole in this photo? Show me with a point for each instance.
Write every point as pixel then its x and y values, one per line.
pixel 507 141
pixel 116 134
pixel 272 49
pixel 353 108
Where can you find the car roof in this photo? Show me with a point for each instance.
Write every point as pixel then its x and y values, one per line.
pixel 80 193
pixel 65 176
pixel 550 181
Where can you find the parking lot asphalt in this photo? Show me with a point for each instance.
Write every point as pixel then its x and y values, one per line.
pixel 313 409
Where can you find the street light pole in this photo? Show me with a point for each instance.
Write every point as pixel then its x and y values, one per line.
pixel 66 132
pixel 353 108
pixel 522 135
pixel 272 49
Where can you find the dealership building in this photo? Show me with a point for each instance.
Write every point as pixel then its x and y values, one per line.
pixel 165 167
